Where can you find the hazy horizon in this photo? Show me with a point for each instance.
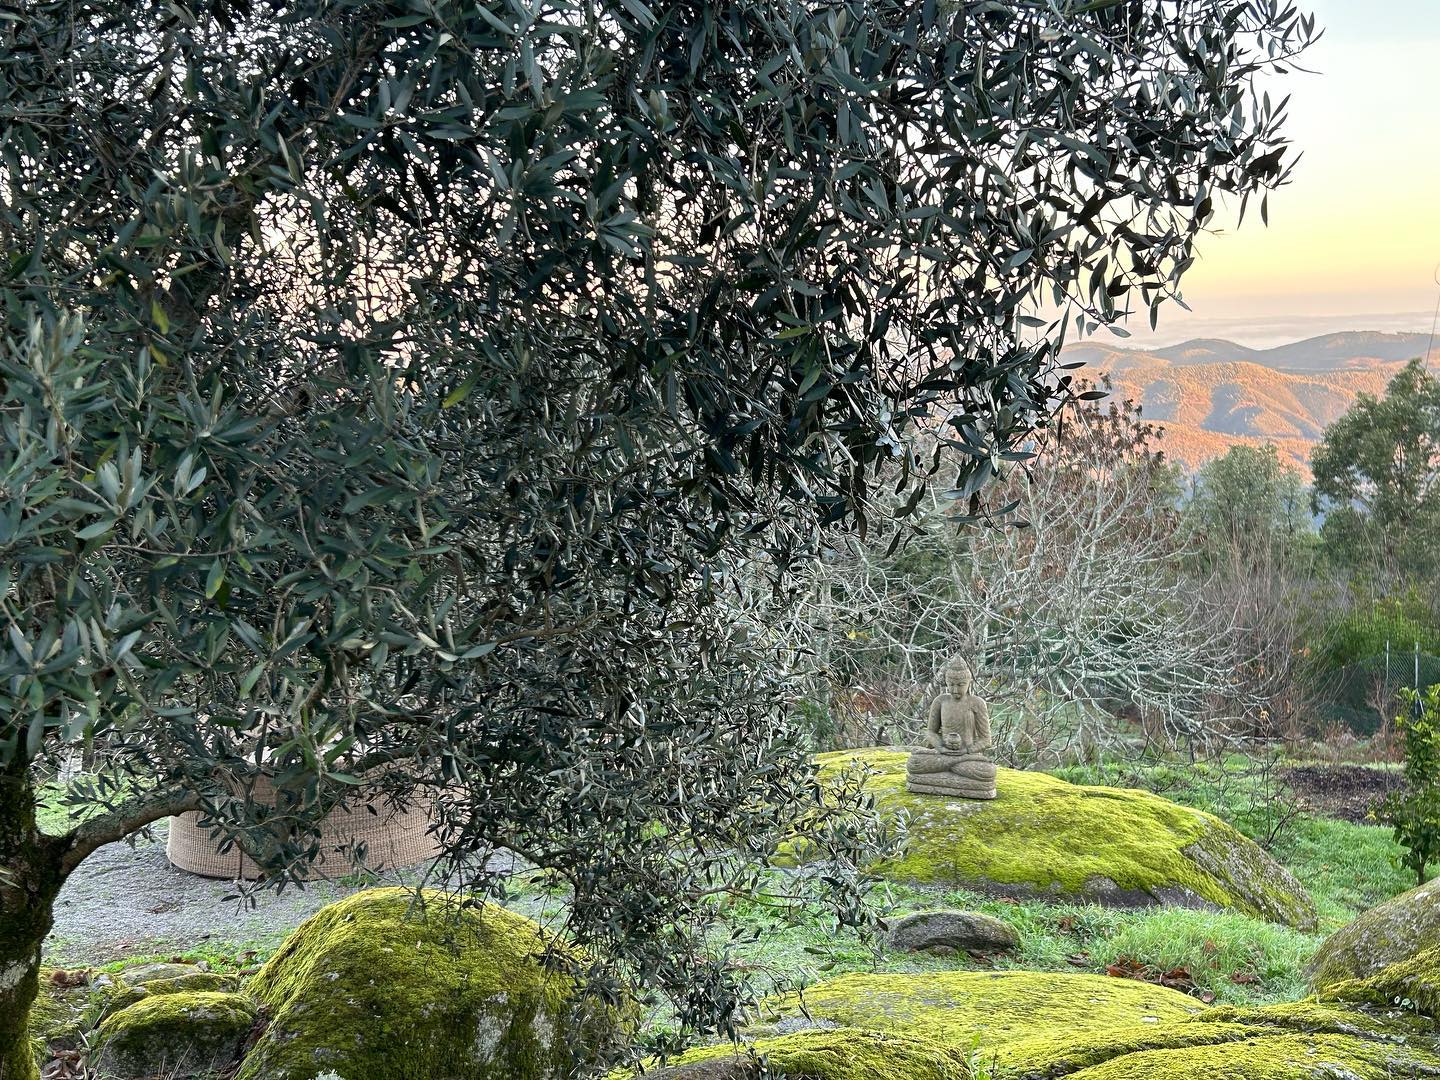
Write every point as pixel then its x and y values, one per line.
pixel 1266 332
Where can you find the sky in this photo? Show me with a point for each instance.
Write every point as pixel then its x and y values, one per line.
pixel 1354 242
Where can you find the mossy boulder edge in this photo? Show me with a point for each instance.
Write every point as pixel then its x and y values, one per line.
pixel 1021 1025
pixel 1044 837
pixel 834 1054
pixel 1390 933
pixel 376 987
pixel 177 1034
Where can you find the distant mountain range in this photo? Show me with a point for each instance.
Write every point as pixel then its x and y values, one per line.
pixel 1210 395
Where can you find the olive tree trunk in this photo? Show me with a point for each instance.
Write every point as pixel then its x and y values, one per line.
pixel 30 879
pixel 33 867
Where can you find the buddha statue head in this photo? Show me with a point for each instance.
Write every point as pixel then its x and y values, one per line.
pixel 958 677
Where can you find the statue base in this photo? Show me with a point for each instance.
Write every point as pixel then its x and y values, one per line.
pixel 960 776
pixel 957 789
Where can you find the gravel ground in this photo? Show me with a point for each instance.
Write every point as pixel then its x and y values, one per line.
pixel 126 901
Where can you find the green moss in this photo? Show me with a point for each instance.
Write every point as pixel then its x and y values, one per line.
pixel 1026 1024
pixel 1058 1052
pixel 176 1033
pixel 1389 933
pixel 1412 983
pixel 836 1054
pixel 1045 837
pixel 1313 1015
pixel 121 995
pixel 1280 1041
pixel 955 1008
pixel 376 987
pixel 1268 1057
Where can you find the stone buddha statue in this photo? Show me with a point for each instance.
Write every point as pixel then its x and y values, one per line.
pixel 953 758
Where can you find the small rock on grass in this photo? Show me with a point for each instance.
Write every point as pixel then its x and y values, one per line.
pixel 936 932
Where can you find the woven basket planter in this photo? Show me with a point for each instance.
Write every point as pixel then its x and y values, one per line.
pixel 393 838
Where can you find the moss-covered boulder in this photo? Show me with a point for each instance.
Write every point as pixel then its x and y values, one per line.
pixel 1025 1025
pixel 180 1034
pixel 376 987
pixel 1045 837
pixel 959 1008
pixel 1388 934
pixel 1412 983
pixel 837 1054
pixel 1303 1041
pixel 122 992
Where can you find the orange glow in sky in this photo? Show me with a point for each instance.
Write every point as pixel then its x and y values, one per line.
pixel 1357 234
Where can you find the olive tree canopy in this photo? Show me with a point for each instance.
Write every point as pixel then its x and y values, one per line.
pixel 406 397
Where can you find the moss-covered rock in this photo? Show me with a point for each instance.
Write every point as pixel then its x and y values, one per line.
pixel 1387 934
pixel 1030 1025
pixel 1045 837
pixel 1412 983
pixel 957 1008
pixel 181 1034
pixel 1274 1057
pixel 1276 1042
pixel 121 992
pixel 838 1054
pixel 376 987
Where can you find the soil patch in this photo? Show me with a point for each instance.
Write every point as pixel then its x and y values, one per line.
pixel 1345 792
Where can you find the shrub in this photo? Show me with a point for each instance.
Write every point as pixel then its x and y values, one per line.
pixel 1414 811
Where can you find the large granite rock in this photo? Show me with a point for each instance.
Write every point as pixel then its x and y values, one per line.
pixel 370 987
pixel 1048 838
pixel 1031 1025
pixel 1388 934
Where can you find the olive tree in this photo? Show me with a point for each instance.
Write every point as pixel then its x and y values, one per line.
pixel 399 396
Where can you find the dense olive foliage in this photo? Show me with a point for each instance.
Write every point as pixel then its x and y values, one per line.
pixel 407 396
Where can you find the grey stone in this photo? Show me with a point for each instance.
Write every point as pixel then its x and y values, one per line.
pixel 956 930
pixel 140 974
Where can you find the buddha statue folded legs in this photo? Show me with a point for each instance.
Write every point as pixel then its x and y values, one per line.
pixel 967 776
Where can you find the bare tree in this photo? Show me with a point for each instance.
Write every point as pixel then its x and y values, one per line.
pixel 1074 608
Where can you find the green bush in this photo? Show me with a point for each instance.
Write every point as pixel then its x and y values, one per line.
pixel 1414 811
pixel 1401 622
